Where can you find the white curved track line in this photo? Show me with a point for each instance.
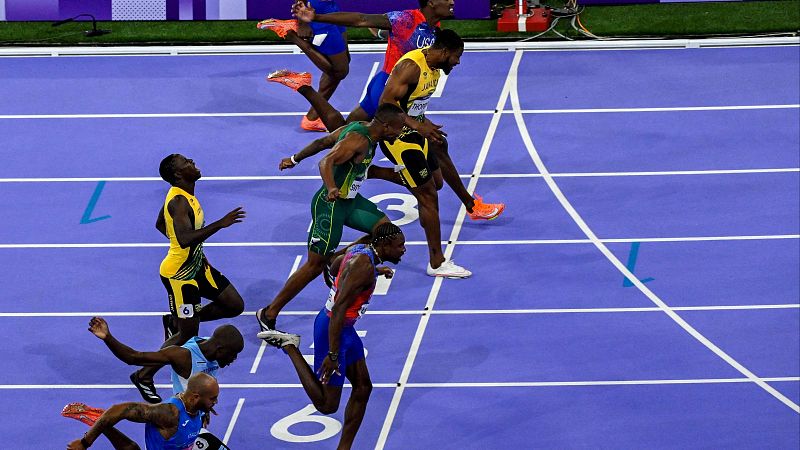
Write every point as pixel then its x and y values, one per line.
pixel 526 138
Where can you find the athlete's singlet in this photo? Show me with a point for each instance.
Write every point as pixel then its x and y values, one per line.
pixel 183 439
pixel 415 102
pixel 409 31
pixel 182 263
pixel 360 304
pixel 350 175
pixel 199 364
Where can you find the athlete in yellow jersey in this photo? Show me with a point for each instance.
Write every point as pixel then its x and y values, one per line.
pixel 423 162
pixel 421 152
pixel 185 271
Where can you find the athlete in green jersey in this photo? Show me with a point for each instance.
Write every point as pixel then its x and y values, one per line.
pixel 337 203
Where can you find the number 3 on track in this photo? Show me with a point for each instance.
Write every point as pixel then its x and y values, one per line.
pixel 407 206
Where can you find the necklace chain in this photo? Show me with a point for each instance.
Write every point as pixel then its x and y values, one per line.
pixel 376 253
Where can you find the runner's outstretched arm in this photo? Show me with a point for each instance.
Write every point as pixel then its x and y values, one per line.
pixel 306 13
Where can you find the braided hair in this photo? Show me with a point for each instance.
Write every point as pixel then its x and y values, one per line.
pixel 385 232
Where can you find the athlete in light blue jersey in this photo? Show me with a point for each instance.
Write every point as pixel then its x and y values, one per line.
pixel 172 425
pixel 200 363
pixel 196 356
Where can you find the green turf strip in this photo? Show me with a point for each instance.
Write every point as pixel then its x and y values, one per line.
pixel 651 20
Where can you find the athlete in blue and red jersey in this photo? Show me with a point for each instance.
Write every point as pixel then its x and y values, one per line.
pixel 408 30
pixel 338 351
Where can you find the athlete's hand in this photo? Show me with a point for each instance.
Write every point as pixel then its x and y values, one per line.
pixel 333 194
pixel 75 445
pixel 385 271
pixel 235 216
pixel 286 163
pixel 303 12
pixel 431 131
pixel 327 369
pixel 99 327
pixel 304 30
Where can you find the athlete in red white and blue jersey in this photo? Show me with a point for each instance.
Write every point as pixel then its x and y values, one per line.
pixel 338 350
pixel 408 30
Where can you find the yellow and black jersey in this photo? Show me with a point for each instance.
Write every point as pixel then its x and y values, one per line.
pixel 415 102
pixel 182 263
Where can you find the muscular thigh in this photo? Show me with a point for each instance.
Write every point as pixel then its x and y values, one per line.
pixel 327 223
pixel 364 215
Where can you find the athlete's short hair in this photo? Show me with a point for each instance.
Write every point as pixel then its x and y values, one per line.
pixel 385 232
pixel 448 39
pixel 422 3
pixel 167 168
pixel 229 334
pixel 387 112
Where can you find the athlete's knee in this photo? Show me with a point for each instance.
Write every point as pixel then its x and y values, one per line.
pixel 326 408
pixel 314 264
pixel 231 301
pixel 339 71
pixel 234 308
pixel 439 147
pixel 426 194
pixel 362 391
pixel 438 180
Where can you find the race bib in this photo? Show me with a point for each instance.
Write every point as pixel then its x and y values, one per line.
pixel 419 106
pixel 329 302
pixel 354 187
pixel 363 309
pixel 319 39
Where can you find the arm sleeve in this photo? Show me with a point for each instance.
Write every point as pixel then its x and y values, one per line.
pixel 402 23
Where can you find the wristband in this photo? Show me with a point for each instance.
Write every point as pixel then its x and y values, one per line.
pixel 333 356
pixel 291 158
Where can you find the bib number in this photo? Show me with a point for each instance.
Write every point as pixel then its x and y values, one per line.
pixel 363 309
pixel 329 302
pixel 354 187
pixel 418 106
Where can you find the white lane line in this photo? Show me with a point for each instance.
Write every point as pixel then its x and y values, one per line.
pixel 512 384
pixel 671 109
pixel 468 175
pixel 510 242
pixel 263 345
pixel 526 138
pixel 437 283
pixel 235 417
pixel 372 73
pixel 435 312
pixel 599 383
pixel 444 112
pixel 440 85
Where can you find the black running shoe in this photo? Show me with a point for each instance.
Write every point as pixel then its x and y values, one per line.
pixel 269 324
pixel 146 388
pixel 169 326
